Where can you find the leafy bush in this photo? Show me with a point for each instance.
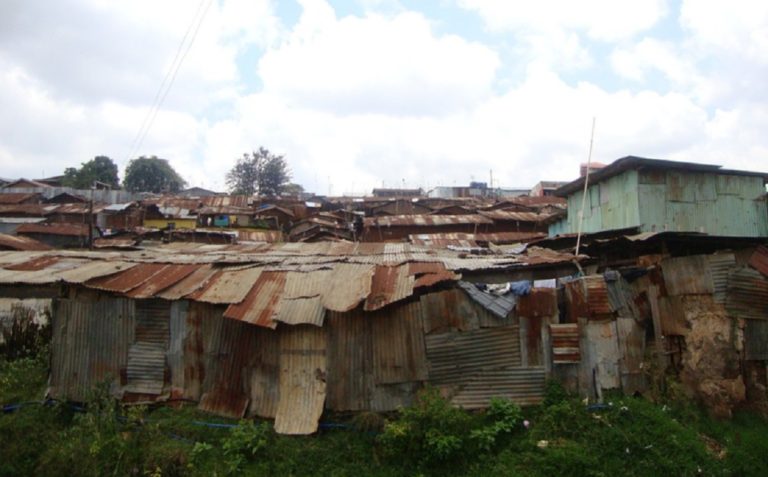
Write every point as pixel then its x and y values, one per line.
pixel 434 436
pixel 245 442
pixel 22 337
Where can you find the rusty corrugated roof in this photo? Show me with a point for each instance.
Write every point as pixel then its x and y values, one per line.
pixel 14 242
pixel 388 285
pixel 425 220
pixel 260 304
pixel 228 286
pixel 67 229
pixel 164 278
pixel 127 280
pixel 504 215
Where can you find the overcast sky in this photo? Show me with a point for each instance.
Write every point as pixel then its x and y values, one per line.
pixel 360 94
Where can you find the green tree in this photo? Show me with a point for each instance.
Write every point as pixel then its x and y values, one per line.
pixel 260 171
pixel 99 169
pixel 152 174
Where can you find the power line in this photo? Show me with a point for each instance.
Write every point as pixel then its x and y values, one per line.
pixel 170 77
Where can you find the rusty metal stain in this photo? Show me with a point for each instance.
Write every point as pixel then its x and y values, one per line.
pixel 398 345
pixel 597 297
pixel 348 286
pixel 261 302
pixel 577 300
pixel 228 286
pixel 300 311
pixel 190 284
pixel 127 280
pixel 449 310
pixel 759 260
pixel 167 276
pixel 565 343
pixel 302 379
pixel 540 302
pixel 747 295
pixel 388 285
pixel 35 264
pixel 687 275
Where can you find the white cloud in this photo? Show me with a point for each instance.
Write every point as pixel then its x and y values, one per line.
pixel 606 20
pixel 376 64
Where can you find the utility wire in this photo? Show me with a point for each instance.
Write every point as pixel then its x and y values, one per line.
pixel 170 77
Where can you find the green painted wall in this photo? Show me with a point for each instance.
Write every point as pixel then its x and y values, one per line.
pixel 679 201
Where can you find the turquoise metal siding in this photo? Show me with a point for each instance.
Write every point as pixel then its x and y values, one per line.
pixel 659 200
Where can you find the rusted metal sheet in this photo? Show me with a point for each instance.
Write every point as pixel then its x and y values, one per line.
pixel 398 345
pixel 449 310
pixel 95 269
pixel 504 215
pixel 13 242
pixel 70 230
pixel 430 273
pixel 167 276
pixel 127 280
pixel 756 340
pixel 177 330
pixel 597 297
pixel 35 264
pixel 747 295
pixel 189 284
pixel 565 343
pixel 146 356
pixel 688 275
pixel 302 379
pixel 576 295
pixel 631 339
pixel 720 267
pixel 540 302
pixel 601 359
pixel 456 357
pixel 388 285
pixel 228 286
pixel 261 303
pixel 417 220
pixel 348 286
pixel 759 260
pixel 298 311
pixel 672 316
pixel 621 296
pixel 523 386
pixel 89 344
pixel 350 361
pixel 306 284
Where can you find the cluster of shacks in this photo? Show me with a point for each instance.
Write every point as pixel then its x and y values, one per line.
pixel 288 331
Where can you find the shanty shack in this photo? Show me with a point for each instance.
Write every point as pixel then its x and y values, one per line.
pixel 287 331
pixel 657 195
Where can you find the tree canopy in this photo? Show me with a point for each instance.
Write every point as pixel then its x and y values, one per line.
pixel 99 169
pixel 152 174
pixel 259 172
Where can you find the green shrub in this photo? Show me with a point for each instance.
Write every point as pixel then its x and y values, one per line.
pixel 245 442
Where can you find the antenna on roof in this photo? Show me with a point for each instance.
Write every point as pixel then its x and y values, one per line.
pixel 586 184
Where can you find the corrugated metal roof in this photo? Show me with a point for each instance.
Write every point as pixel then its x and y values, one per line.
pixel 74 230
pixel 747 295
pixel 190 284
pixel 388 285
pixel 16 197
pixel 167 276
pixel 499 305
pixel 261 302
pixel 348 286
pixel 228 286
pixel 428 220
pixel 759 260
pixel 505 215
pixel 127 280
pixel 300 311
pixel 90 270
pixel 302 379
pixel 37 263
